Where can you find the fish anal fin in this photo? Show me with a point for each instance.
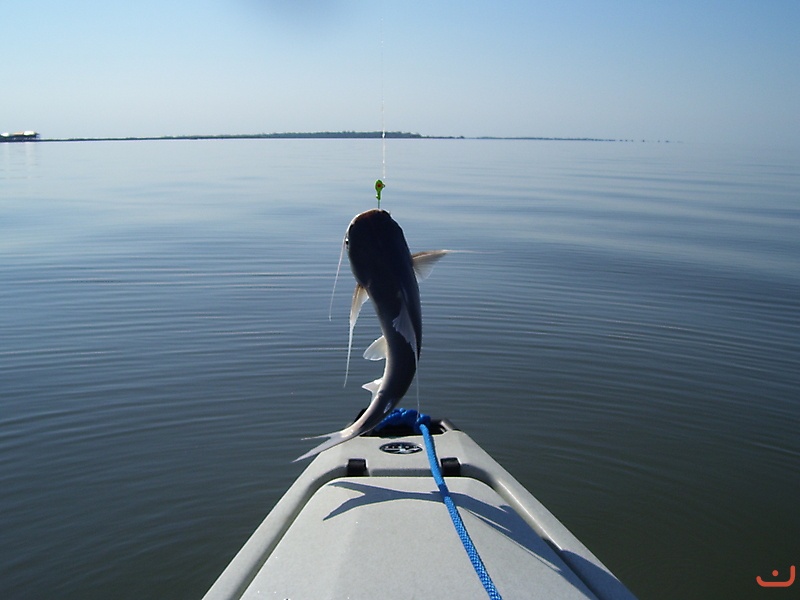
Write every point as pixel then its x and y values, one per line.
pixel 377 350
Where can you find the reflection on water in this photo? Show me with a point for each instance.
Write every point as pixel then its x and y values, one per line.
pixel 622 336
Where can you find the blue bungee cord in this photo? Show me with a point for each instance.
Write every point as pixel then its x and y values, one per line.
pixel 420 423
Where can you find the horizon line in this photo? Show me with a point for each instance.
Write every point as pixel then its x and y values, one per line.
pixel 329 135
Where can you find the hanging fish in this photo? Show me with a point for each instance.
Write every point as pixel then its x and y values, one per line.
pixel 387 272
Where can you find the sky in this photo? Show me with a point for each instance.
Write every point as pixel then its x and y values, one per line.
pixel 693 71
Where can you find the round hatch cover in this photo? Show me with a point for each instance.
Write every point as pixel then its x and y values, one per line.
pixel 401 448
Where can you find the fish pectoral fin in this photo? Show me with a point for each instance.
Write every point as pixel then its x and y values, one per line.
pixel 377 350
pixel 424 262
pixel 360 296
pixel 405 327
pixel 373 387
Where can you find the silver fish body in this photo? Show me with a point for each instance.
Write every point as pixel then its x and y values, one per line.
pixel 386 272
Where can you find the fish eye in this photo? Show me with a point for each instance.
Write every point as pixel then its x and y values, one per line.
pixel 347 241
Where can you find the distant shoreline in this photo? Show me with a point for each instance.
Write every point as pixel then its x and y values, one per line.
pixel 326 135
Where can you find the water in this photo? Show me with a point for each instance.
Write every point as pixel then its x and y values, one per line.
pixel 623 336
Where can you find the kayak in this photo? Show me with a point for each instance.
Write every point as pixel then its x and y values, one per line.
pixel 366 520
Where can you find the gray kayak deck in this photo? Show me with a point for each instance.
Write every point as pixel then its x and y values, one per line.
pixel 363 523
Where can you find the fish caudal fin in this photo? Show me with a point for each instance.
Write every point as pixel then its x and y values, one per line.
pixel 333 439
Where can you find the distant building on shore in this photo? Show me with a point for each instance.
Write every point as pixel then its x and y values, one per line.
pixel 20 136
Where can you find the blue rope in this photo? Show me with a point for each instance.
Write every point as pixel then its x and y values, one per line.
pixel 420 424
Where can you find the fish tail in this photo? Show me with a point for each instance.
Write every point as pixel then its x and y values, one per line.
pixel 333 439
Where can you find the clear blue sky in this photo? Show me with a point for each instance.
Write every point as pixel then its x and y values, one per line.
pixel 695 70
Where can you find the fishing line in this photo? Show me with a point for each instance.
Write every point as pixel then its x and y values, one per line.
pixel 379 185
pixel 383 113
pixel 416 361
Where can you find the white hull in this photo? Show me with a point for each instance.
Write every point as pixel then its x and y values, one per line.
pixel 384 532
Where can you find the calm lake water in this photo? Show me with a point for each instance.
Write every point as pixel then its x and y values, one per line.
pixel 623 336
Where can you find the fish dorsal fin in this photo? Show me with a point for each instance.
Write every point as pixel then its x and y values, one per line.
pixel 425 261
pixel 377 350
pixel 373 387
pixel 359 297
pixel 405 327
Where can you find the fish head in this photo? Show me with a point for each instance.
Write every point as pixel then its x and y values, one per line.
pixel 376 247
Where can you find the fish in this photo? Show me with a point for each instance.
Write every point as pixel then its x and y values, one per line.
pixel 388 274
